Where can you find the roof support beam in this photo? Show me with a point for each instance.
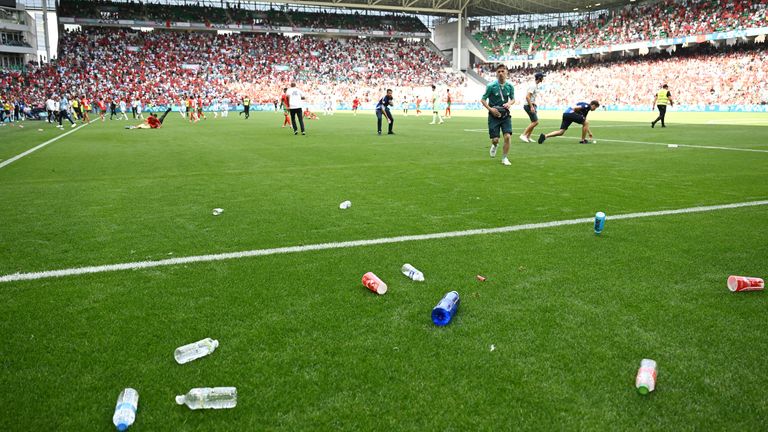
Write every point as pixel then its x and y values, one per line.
pixel 375 4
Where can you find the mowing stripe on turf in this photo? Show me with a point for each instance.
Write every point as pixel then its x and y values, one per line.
pixel 355 243
pixel 7 162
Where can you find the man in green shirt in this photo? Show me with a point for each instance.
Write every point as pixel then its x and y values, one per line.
pixel 498 98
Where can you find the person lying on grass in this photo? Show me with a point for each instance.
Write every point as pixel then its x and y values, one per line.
pixel 152 122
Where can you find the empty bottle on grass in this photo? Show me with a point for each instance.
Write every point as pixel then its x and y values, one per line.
pixel 374 283
pixel 195 350
pixel 443 313
pixel 125 410
pixel 645 382
pixel 599 222
pixel 209 398
pixel 412 273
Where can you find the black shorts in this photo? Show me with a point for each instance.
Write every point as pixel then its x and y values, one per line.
pixel 569 118
pixel 534 116
pixel 495 124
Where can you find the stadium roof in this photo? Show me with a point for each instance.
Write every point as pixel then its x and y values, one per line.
pixel 471 8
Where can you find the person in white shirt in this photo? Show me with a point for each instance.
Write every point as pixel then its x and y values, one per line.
pixel 215 107
pixel 122 110
pixel 225 107
pixel 138 109
pixel 182 111
pixel 530 107
pixel 296 102
pixel 435 110
pixel 50 106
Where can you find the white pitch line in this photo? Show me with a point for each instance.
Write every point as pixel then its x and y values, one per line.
pixel 354 243
pixel 685 145
pixel 36 148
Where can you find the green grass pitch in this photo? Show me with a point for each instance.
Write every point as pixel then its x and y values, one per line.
pixel 570 314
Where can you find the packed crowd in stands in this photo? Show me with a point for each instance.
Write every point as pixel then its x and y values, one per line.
pixel 162 66
pixel 674 18
pixel 643 22
pixel 701 76
pixel 234 14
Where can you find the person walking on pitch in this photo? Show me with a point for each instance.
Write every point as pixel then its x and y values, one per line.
pixel 661 100
pixel 498 98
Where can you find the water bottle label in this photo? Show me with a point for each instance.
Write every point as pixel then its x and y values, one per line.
pixel 126 405
pixel 647 371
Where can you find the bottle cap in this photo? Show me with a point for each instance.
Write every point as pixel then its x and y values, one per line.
pixel 643 390
pixel 180 399
pixel 122 426
pixel 382 289
pixel 215 343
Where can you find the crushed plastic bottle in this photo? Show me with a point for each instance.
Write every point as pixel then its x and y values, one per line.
pixel 125 410
pixel 345 205
pixel 412 273
pixel 209 398
pixel 645 381
pixel 195 350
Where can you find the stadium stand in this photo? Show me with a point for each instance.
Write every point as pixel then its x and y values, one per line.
pixel 110 11
pixel 644 22
pixel 700 76
pixel 162 66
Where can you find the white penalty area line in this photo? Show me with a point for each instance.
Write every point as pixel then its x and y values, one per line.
pixel 655 143
pixel 7 162
pixel 685 145
pixel 355 243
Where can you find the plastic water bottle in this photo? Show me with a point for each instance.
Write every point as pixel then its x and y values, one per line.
pixel 412 273
pixel 345 205
pixel 444 311
pixel 125 410
pixel 645 382
pixel 373 283
pixel 599 222
pixel 209 398
pixel 195 350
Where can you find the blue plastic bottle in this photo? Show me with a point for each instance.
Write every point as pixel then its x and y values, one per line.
pixel 444 311
pixel 599 222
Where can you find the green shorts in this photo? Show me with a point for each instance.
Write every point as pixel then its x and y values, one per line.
pixel 495 124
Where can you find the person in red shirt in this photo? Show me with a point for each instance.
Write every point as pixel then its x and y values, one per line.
pixel 355 105
pixel 152 122
pixel 200 113
pixel 286 107
pixel 102 108
pixel 86 104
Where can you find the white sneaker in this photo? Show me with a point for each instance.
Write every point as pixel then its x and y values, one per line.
pixel 441 122
pixel 506 162
pixel 432 123
pixel 493 150
pixel 74 125
pixel 524 138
